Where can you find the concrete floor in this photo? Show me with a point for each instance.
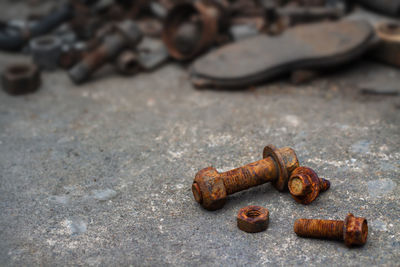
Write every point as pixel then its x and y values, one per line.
pixel 101 174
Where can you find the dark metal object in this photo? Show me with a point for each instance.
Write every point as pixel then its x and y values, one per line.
pixel 20 79
pixel 210 188
pixel 388 49
pixel 46 52
pixel 190 28
pixel 388 7
pixel 11 39
pixel 311 46
pixel 72 54
pixel 305 185
pixel 253 219
pixel 127 63
pixel 126 34
pixel 151 54
pixel 353 230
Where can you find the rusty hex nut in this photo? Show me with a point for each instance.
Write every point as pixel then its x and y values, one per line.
pixel 21 78
pixel 253 219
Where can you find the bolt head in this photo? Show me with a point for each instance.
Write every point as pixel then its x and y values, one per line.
pixel 299 185
pixel 209 189
pixel 356 231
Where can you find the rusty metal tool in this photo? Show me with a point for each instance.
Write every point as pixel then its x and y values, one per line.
pixel 210 188
pixel 126 34
pixel 353 230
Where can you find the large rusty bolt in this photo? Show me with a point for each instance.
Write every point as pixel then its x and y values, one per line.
pixel 210 187
pixel 353 230
pixel 305 185
pixel 126 34
pixel 21 78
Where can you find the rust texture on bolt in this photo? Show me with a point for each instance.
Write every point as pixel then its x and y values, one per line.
pixel 21 78
pixel 210 187
pixel 353 230
pixel 253 219
pixel 305 185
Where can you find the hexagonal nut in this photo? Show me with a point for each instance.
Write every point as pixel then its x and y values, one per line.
pixel 21 78
pixel 209 189
pixel 46 51
pixel 356 231
pixel 253 219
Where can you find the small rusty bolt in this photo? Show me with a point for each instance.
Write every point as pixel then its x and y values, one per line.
pixel 253 219
pixel 21 78
pixel 126 34
pixel 210 188
pixel 353 230
pixel 305 185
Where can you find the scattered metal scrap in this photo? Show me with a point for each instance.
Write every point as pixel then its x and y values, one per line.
pixel 253 219
pixel 83 35
pixel 21 78
pixel 353 230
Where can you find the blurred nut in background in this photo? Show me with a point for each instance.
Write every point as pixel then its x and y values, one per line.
pixel 20 79
pixel 46 52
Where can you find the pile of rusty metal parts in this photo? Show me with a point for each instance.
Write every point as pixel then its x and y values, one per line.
pixel 258 39
pixel 280 167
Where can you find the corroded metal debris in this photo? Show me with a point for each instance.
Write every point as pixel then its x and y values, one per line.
pixel 260 58
pixel 353 230
pixel 253 219
pixel 210 188
pixel 305 185
pixel 21 78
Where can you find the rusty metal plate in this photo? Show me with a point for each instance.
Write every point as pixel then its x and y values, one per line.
pixel 259 58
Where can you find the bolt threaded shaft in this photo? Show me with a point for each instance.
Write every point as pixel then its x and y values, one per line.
pixel 253 174
pixel 328 229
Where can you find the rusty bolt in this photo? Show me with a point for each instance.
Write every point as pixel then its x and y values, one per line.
pixel 126 34
pixel 21 78
pixel 210 188
pixel 253 219
pixel 305 185
pixel 353 230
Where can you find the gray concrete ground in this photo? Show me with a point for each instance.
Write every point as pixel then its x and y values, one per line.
pixel 101 174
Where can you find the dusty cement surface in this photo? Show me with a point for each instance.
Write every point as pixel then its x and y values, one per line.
pixel 101 174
